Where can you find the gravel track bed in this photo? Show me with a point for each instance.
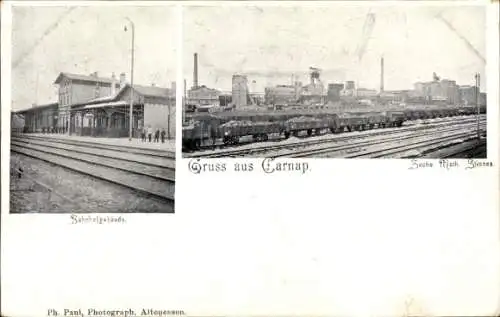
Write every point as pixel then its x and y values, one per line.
pixel 84 194
pixel 145 184
pixel 161 162
pixel 141 168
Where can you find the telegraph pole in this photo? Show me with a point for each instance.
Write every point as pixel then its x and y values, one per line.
pixel 131 82
pixel 478 95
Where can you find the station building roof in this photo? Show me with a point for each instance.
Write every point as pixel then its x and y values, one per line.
pixel 145 91
pixel 85 78
pixel 38 108
pixel 104 105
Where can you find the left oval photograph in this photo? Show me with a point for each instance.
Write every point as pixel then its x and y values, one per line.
pixel 93 103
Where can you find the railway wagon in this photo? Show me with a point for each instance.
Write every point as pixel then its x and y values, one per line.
pixel 414 114
pixel 466 111
pixel 309 124
pixel 470 110
pixel 379 119
pixel 260 131
pixel 194 134
pixel 394 119
pixel 351 122
pixel 436 113
pixel 231 126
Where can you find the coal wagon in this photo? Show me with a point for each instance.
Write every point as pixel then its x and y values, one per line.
pixel 232 131
pixel 309 124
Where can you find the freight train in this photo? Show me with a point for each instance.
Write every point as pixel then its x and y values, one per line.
pixel 260 126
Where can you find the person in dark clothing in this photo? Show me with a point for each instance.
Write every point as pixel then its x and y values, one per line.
pixel 143 134
pixel 163 135
pixel 150 133
pixel 157 135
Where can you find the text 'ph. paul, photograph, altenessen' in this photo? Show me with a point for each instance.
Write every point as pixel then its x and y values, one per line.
pixel 334 82
pixel 93 109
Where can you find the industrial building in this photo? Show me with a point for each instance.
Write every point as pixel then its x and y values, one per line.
pixel 438 91
pixel 203 96
pixel 281 95
pixel 334 91
pixel 240 94
pixel 200 96
pixel 312 93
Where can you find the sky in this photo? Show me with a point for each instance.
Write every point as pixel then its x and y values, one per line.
pixel 87 40
pixel 263 40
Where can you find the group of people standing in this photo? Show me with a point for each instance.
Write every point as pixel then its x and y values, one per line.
pixel 148 134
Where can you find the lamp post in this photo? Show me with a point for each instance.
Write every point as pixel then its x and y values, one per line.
pixel 131 80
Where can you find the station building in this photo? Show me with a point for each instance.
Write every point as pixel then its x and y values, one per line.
pixel 89 105
pixel 39 118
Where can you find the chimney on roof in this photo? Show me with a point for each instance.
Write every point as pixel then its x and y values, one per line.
pixel 113 84
pixel 122 80
pixel 195 71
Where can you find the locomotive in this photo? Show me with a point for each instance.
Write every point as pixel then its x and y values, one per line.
pixel 260 126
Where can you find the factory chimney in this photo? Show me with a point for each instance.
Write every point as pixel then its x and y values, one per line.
pixel 195 71
pixel 382 74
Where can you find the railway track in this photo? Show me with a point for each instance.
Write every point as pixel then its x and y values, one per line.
pixel 415 145
pixel 95 145
pixel 153 177
pixel 334 139
pixel 355 150
pixel 470 149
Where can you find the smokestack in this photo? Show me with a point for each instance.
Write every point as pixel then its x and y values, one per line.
pixel 195 71
pixel 382 74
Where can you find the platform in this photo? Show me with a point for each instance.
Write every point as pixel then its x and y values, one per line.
pixel 169 145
